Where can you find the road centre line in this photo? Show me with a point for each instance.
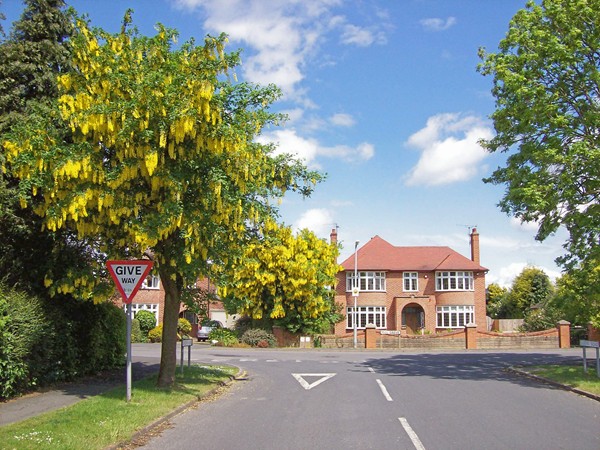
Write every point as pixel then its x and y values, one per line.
pixel 411 434
pixel 384 391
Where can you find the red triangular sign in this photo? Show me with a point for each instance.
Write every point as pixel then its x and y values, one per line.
pixel 129 276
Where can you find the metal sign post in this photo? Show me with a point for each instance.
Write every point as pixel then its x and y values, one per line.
pixel 186 343
pixel 128 277
pixel 128 340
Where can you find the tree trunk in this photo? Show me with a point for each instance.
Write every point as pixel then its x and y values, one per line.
pixel 168 354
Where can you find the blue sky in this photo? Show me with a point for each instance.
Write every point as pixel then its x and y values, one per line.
pixel 384 97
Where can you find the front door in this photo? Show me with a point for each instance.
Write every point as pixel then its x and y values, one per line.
pixel 413 317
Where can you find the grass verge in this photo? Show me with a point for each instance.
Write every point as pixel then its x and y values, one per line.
pixel 107 419
pixel 573 376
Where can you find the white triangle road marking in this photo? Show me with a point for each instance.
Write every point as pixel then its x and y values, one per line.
pixel 306 385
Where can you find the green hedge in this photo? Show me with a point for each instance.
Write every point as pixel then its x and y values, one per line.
pixel 48 340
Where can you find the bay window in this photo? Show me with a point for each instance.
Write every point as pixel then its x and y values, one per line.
pixel 455 316
pixel 366 315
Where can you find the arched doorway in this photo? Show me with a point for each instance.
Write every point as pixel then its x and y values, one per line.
pixel 413 317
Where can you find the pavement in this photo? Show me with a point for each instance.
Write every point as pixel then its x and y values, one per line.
pixel 66 394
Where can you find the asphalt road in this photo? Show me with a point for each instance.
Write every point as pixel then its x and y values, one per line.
pixel 381 400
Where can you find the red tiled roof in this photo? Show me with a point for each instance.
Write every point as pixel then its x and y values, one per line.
pixel 378 254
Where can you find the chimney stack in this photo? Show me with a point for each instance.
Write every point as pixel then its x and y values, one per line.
pixel 333 236
pixel 475 246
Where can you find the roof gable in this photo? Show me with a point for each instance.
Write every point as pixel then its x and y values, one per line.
pixel 378 254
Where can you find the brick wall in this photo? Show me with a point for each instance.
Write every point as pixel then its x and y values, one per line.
pixel 548 339
pixel 539 339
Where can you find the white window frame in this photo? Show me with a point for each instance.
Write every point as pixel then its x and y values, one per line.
pixel 136 307
pixel 151 282
pixel 455 280
pixel 410 281
pixel 366 315
pixel 369 281
pixel 454 316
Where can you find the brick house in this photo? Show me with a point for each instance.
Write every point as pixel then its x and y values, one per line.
pixel 151 297
pixel 415 289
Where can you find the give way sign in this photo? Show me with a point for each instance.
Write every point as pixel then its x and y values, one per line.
pixel 129 276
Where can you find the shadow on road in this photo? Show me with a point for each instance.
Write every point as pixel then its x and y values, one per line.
pixel 463 366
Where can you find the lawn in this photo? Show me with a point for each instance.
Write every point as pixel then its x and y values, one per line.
pixel 106 419
pixel 573 376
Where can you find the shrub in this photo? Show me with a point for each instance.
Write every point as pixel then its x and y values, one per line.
pixel 49 340
pixel 147 321
pixel 242 325
pixel 136 332
pixel 184 327
pixel 14 373
pixel 224 336
pixel 101 333
pixel 155 334
pixel 257 337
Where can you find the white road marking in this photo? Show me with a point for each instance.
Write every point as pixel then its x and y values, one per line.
pixel 248 359
pixel 271 360
pixel 306 385
pixel 371 370
pixel 411 434
pixel 384 391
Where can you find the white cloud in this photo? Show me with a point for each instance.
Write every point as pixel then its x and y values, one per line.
pixel 437 24
pixel 279 36
pixel 361 37
pixel 506 275
pixel 449 148
pixel 342 120
pixel 308 150
pixel 530 227
pixel 319 221
pixel 288 141
pixel 362 152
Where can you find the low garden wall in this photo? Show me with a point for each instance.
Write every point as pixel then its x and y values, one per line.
pixel 468 338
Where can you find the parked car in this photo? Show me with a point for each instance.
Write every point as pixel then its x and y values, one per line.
pixel 206 327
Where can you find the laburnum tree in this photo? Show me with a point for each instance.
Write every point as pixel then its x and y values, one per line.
pixel 162 162
pixel 546 81
pixel 284 279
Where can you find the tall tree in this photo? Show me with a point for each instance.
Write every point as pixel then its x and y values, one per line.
pixel 285 279
pixel 32 56
pixel 546 81
pixel 531 288
pixel 163 161
pixel 577 299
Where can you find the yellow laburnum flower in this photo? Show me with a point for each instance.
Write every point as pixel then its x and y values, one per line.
pixel 151 161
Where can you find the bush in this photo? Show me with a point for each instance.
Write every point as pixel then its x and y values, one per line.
pixel 257 337
pixel 17 337
pixel 184 327
pixel 147 321
pixel 49 340
pixel 224 336
pixel 242 325
pixel 136 332
pixel 155 334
